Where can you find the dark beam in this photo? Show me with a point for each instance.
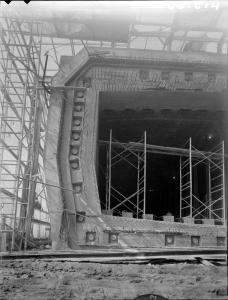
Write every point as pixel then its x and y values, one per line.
pixel 162 150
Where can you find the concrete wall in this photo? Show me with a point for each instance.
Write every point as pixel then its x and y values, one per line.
pixel 147 233
pixel 70 155
pixel 54 195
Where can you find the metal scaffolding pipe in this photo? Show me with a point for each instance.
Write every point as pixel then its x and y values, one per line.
pixel 135 146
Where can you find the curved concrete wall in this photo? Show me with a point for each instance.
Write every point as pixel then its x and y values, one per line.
pixel 70 151
pixel 55 203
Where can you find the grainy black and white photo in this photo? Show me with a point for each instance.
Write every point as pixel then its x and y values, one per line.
pixel 113 150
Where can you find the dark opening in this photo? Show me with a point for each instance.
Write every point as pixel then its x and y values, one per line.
pixel 169 120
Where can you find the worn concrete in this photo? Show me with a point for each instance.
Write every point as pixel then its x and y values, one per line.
pixel 71 151
pixel 54 195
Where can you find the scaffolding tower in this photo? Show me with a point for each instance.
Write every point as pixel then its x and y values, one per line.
pixel 137 160
pixel 29 58
pixel 23 120
pixel 212 207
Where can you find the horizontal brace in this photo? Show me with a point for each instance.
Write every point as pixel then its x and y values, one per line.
pixel 216 191
pixel 185 207
pixel 187 183
pixel 183 176
pixel 187 187
pixel 216 186
pixel 214 178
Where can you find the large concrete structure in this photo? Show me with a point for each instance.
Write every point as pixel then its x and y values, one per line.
pixel 132 129
pixel 154 85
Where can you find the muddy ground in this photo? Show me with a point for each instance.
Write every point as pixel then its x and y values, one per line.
pixel 36 279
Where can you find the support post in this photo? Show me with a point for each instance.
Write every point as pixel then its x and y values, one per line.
pixel 180 188
pixel 223 184
pixel 34 171
pixel 110 170
pixel 144 194
pixel 20 147
pixel 138 170
pixel 190 173
pixel 209 190
pixel 107 180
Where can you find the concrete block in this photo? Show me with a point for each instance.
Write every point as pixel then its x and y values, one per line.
pixel 90 237
pixel 169 240
pixel 148 216
pixel 107 212
pixel 188 220
pixel 168 218
pixel 77 187
pixel 195 241
pixel 80 217
pixel 221 241
pixel 208 241
pixel 208 221
pixel 76 176
pixel 127 214
pixel 113 237
pixel 182 241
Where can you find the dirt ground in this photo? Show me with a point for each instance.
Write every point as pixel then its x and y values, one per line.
pixel 36 279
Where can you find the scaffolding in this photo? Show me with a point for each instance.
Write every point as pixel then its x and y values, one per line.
pixel 212 207
pixel 137 160
pixel 29 58
pixel 23 120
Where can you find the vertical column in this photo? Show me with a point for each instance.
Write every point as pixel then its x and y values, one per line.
pixel 110 170
pixel 51 166
pixel 34 171
pixel 107 180
pixel 190 173
pixel 223 185
pixel 20 149
pixel 144 193
pixel 180 174
pixel 138 189
pixel 226 141
pixel 209 190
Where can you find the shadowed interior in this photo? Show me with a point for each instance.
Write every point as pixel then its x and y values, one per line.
pixel 169 119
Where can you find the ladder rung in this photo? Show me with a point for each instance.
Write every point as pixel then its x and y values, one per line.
pixel 187 187
pixel 187 183
pixel 188 173
pixel 218 185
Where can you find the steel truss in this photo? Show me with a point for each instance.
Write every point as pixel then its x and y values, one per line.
pixel 137 160
pixel 213 206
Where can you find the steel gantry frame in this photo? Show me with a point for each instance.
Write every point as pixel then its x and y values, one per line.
pixel 137 160
pixel 213 206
